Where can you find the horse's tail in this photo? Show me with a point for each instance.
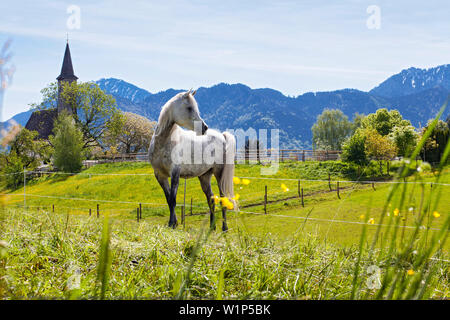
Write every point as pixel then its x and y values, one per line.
pixel 226 180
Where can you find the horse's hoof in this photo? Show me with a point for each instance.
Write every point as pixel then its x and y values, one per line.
pixel 173 225
pixel 213 228
pixel 224 228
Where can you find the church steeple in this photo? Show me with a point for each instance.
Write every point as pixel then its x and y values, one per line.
pixel 67 68
pixel 67 76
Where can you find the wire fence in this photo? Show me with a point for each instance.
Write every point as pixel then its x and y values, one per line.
pixel 252 199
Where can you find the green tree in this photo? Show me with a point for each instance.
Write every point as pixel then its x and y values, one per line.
pixel 434 147
pixel 68 144
pixel 30 150
pixel 331 129
pixel 384 121
pixel 357 121
pixel 405 139
pixel 94 110
pixel 378 147
pixel 21 150
pixel 354 150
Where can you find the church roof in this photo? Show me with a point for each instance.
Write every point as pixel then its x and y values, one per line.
pixel 67 68
pixel 42 121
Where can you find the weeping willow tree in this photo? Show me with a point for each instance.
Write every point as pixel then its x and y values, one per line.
pixel 331 129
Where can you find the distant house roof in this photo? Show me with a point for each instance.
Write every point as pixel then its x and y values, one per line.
pixel 42 121
pixel 67 68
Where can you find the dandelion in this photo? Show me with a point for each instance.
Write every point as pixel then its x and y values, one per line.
pixel 371 221
pixel 245 182
pixel 396 212
pixel 410 272
pixel 216 199
pixel 227 203
pixel 361 216
pixel 236 196
pixel 285 189
pixel 236 180
pixel 436 214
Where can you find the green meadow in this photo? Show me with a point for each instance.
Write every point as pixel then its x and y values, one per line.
pixel 319 250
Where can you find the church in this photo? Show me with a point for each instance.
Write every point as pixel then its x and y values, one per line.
pixel 42 120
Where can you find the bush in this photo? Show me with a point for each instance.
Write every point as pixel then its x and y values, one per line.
pixel 353 150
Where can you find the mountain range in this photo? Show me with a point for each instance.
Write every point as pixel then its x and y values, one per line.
pixel 417 93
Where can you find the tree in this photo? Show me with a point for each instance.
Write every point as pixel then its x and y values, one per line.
pixel 354 150
pixel 67 143
pixel 133 135
pixel 331 129
pixel 384 121
pixel 30 151
pixel 405 139
pixel 21 151
pixel 357 121
pixel 435 145
pixel 379 147
pixel 93 110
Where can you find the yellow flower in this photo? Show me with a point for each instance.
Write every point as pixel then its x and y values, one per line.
pixel 236 180
pixel 362 216
pixel 236 196
pixel 216 199
pixel 396 212
pixel 226 203
pixel 245 182
pixel 436 214
pixel 410 272
pixel 285 189
pixel 371 221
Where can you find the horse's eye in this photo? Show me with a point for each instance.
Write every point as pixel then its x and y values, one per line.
pixel 189 109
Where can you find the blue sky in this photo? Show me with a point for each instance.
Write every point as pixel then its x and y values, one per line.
pixel 291 46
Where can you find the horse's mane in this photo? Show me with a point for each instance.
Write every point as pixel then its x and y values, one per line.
pixel 164 118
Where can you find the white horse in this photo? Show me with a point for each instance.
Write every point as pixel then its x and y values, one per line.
pixel 176 153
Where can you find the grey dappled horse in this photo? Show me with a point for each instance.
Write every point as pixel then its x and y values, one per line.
pixel 195 152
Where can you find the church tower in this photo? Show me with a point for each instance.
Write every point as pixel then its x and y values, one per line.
pixel 67 76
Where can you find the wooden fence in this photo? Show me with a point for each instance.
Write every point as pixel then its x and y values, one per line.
pixel 286 155
pixel 241 156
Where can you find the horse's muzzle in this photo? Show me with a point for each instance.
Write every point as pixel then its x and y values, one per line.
pixel 204 128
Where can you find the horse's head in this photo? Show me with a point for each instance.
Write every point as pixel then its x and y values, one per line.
pixel 185 112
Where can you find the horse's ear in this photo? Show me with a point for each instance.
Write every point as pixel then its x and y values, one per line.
pixel 194 92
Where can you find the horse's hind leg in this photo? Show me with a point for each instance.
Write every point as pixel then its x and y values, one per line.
pixel 174 181
pixel 205 182
pixel 218 176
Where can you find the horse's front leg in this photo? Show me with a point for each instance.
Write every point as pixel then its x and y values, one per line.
pixel 174 181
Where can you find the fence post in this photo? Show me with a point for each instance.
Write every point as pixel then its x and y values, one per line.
pixel 98 210
pixel 140 210
pixel 90 212
pixel 53 208
pixel 329 181
pixel 303 203
pixel 373 186
pixel 191 206
pixel 298 188
pixel 184 206
pixel 137 214
pixel 265 199
pixel 337 190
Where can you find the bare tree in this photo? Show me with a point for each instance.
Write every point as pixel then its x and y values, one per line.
pixel 134 134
